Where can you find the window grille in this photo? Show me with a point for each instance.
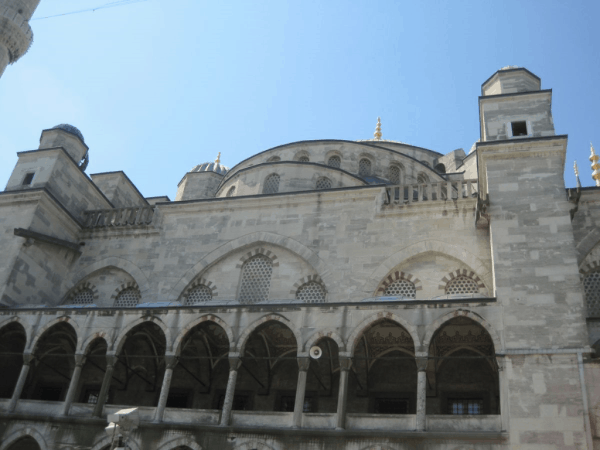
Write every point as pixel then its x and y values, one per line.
pixel 394 174
pixel 591 285
pixel 256 279
pixel 274 159
pixel 83 297
pixel 401 288
pixel 199 294
pixel 271 184
pixel 231 191
pixel 465 406
pixel 364 167
pixel 304 159
pixel 462 285
pixel 311 292
pixel 334 161
pixel 323 183
pixel 128 298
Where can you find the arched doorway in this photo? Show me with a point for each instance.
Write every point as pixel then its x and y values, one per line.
pixel 12 344
pixel 25 443
pixel 383 377
pixel 92 373
pixel 462 373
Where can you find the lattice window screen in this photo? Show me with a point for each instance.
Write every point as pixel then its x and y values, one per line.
pixel 591 285
pixel 199 294
pixel 401 288
pixel 231 191
pixel 271 184
pixel 256 279
pixel 395 175
pixel 323 183
pixel 364 167
pixel 128 298
pixel 311 292
pixel 83 297
pixel 304 159
pixel 334 161
pixel 462 285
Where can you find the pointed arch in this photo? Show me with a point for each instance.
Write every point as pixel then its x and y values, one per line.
pixel 324 334
pixel 49 325
pixel 26 327
pixel 474 263
pixel 120 340
pixel 174 443
pixel 85 346
pixel 255 239
pixel 243 339
pixel 205 318
pixel 438 323
pixel 23 433
pixel 383 315
pixel 587 244
pixel 105 442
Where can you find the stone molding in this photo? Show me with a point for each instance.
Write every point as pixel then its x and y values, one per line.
pixel 461 273
pixel 395 276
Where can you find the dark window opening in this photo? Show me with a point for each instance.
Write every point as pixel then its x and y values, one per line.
pixel 91 396
pixel 179 399
pixel 391 406
pixel 287 402
pixel 465 406
pixel 28 179
pixel 49 393
pixel 519 128
pixel 240 402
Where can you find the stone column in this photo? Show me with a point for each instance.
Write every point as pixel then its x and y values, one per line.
pixel 27 359
pixel 111 360
pixel 303 364
pixel 79 362
pixel 345 364
pixel 171 361
pixel 501 360
pixel 421 392
pixel 234 365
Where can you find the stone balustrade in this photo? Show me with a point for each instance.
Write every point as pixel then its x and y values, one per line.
pixel 119 217
pixel 430 192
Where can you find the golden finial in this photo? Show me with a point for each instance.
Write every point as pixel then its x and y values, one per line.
pixel 595 165
pixel 218 160
pixel 377 134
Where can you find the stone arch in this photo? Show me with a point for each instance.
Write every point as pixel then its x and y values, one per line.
pixel 187 441
pixel 462 273
pixel 258 251
pixel 243 339
pixel 134 271
pixel 435 326
pixel 26 327
pixel 587 244
pixel 207 317
pixel 85 346
pixel 365 324
pixel 396 275
pixel 49 325
pixel 105 442
pixel 69 296
pixel 301 154
pixel 25 432
pixel 323 334
pixel 122 287
pixel 120 340
pixel 475 264
pixel 250 240
pixel 199 281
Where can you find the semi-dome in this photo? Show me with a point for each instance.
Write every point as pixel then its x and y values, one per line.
pixel 70 129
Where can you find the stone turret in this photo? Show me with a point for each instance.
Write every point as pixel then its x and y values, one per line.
pixel 15 33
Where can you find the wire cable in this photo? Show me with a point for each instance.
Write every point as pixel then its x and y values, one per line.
pixel 105 6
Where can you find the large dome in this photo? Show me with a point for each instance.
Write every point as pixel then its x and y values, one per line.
pixel 211 167
pixel 70 129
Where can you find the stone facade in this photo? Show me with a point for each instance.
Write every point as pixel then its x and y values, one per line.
pixel 444 295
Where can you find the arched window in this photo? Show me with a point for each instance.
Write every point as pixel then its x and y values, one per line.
pixel 422 178
pixel 591 285
pixel 304 159
pixel 401 288
pixel 128 298
pixel 83 297
pixel 364 167
pixel 271 184
pixel 311 292
pixel 198 295
pixel 274 159
pixel 440 168
pixel 394 174
pixel 462 285
pixel 256 279
pixel 334 161
pixel 231 191
pixel 323 183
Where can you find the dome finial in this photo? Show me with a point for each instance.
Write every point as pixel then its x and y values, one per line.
pixel 377 134
pixel 218 160
pixel 594 159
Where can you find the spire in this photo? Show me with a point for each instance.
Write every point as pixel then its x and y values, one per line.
pixel 218 160
pixel 377 134
pixel 595 165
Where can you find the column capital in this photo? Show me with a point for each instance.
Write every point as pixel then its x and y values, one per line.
pixel 28 358
pixel 111 360
pixel 79 359
pixel 421 363
pixel 501 361
pixel 235 363
pixel 171 361
pixel 303 363
pixel 345 363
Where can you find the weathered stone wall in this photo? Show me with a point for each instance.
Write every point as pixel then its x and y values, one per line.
pixel 198 185
pixel 118 189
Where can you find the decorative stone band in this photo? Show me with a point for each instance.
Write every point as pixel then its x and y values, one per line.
pixel 395 276
pixel 461 272
pixel 258 251
pixel 119 217
pixel 430 192
pixel 15 32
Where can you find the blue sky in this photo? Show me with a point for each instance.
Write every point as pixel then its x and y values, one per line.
pixel 159 86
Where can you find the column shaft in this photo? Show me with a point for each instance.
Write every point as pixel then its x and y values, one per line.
pixel 110 363
pixel 27 358
pixel 79 362
pixel 234 365
pixel 345 364
pixel 171 361
pixel 304 364
pixel 421 393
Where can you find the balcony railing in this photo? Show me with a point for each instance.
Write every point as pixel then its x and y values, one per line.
pixel 119 217
pixel 430 192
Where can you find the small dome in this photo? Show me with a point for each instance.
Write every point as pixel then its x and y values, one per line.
pixel 211 167
pixel 70 129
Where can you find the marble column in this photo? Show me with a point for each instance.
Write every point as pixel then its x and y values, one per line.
pixel 421 392
pixel 501 360
pixel 171 362
pixel 234 365
pixel 303 365
pixel 79 362
pixel 27 360
pixel 345 364
pixel 110 366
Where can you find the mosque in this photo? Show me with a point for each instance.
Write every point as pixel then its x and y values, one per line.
pixel 327 294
